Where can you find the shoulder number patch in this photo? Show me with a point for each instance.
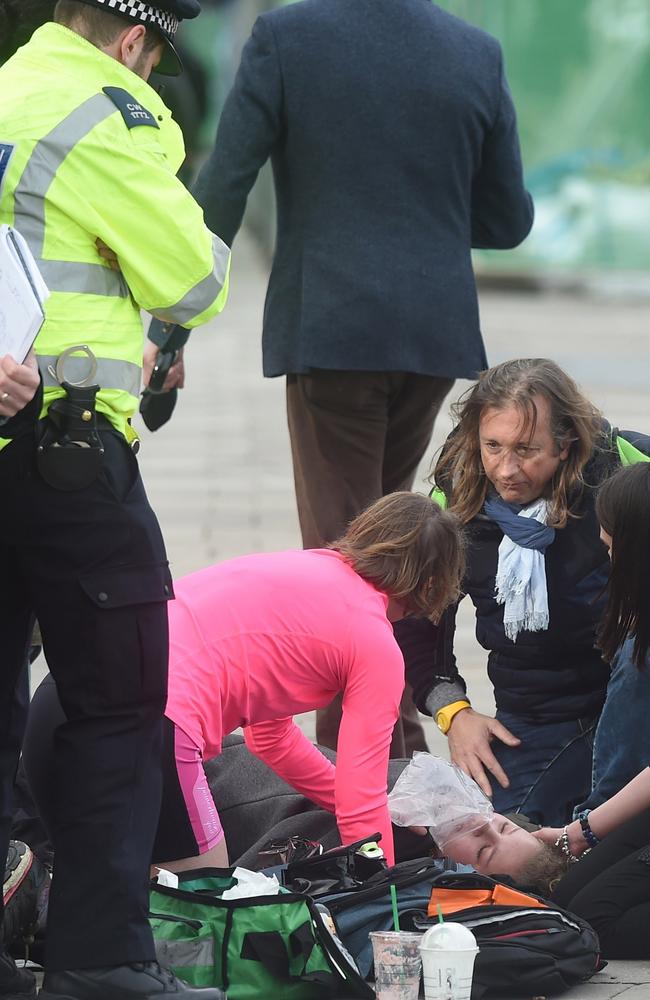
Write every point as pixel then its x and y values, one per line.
pixel 132 112
pixel 6 149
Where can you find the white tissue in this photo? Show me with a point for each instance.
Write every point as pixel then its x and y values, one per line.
pixel 251 884
pixel 170 879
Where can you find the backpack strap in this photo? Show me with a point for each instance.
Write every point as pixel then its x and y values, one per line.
pixel 401 872
pixel 628 453
pixel 438 497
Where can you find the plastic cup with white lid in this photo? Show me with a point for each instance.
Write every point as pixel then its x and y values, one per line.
pixel 448 953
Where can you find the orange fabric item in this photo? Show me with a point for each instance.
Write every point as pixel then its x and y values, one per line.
pixel 453 900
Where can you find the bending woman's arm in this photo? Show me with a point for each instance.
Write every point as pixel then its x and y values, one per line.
pixel 283 746
pixel 371 700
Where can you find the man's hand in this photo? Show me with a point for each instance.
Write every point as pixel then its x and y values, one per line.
pixel 176 375
pixel 107 254
pixel 18 384
pixel 469 738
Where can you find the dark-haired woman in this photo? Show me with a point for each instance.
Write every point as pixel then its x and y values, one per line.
pixel 622 741
pixel 611 886
pixel 255 640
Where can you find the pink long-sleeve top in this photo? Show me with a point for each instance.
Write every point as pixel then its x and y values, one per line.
pixel 256 640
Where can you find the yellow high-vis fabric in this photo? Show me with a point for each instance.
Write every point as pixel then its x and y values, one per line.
pixel 88 150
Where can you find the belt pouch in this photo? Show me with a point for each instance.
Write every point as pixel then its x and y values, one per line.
pixel 70 452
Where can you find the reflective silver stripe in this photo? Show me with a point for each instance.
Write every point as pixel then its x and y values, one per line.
pixel 87 279
pixel 30 195
pixel 111 373
pixel 201 297
pixel 195 953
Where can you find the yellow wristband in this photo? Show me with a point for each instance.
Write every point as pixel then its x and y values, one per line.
pixel 445 715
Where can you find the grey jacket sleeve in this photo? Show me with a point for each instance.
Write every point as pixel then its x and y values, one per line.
pixel 429 661
pixel 502 209
pixel 249 128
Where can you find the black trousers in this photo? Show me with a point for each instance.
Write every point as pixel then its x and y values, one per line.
pixel 175 837
pixel 610 888
pixel 355 437
pixel 91 566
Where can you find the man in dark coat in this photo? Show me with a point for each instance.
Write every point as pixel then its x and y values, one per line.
pixel 394 147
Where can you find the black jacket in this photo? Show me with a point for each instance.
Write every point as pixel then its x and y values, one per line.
pixel 549 676
pixel 393 140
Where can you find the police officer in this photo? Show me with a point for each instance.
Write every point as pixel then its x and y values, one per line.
pixel 90 152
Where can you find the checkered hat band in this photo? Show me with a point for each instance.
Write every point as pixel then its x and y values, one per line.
pixel 140 11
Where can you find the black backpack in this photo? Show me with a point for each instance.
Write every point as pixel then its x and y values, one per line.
pixel 527 944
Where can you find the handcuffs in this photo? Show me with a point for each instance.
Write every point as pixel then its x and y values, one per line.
pixel 70 452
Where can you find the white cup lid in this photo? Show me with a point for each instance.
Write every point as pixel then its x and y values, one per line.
pixel 449 937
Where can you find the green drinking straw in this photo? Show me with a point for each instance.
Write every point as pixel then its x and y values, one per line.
pixel 440 917
pixel 393 899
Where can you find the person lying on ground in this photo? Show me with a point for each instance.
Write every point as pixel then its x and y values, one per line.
pixel 598 866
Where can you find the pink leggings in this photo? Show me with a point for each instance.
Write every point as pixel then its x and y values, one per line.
pixel 189 823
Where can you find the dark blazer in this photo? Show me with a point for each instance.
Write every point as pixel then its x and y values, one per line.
pixel 394 146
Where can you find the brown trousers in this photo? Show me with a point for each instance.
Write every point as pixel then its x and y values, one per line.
pixel 355 437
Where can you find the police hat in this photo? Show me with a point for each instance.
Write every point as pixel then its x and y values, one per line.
pixel 162 15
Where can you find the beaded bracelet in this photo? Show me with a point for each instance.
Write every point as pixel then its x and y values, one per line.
pixel 563 843
pixel 587 832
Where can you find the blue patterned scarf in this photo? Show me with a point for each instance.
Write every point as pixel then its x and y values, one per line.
pixel 521 571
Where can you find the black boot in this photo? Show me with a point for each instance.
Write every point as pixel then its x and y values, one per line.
pixel 137 981
pixel 15 984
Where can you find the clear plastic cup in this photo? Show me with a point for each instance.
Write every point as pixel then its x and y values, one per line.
pixel 448 953
pixel 397 964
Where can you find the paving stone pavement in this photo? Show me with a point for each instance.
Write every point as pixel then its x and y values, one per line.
pixel 219 476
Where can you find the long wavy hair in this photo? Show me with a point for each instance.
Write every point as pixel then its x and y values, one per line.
pixel 410 549
pixel 623 509
pixel 575 422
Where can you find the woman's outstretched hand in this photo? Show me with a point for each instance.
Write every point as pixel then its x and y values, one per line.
pixel 548 834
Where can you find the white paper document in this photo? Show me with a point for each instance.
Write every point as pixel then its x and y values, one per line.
pixel 22 295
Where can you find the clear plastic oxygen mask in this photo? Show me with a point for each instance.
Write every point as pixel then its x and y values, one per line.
pixel 432 792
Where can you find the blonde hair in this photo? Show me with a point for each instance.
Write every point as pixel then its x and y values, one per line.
pixel 543 872
pixel 409 548
pixel 575 423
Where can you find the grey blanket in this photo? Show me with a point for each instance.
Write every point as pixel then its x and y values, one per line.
pixel 257 807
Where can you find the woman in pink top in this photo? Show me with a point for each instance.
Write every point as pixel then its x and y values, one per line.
pixel 255 640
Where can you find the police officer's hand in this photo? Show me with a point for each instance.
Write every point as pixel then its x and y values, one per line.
pixel 107 254
pixel 469 738
pixel 176 375
pixel 18 384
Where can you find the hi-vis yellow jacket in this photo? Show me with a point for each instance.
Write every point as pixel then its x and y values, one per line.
pixel 87 150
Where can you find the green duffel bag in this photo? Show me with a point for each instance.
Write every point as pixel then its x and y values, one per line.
pixel 261 946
